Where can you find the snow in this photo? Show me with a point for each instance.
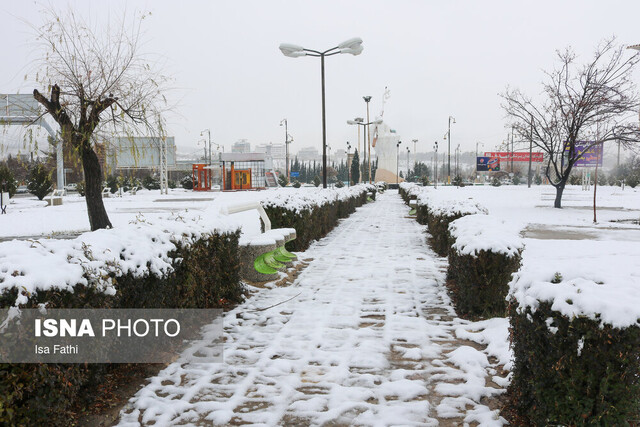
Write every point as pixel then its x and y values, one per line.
pixel 369 336
pixel 475 233
pixel 370 345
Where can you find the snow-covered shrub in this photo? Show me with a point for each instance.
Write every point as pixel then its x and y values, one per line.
pixel 438 212
pixel 182 262
pixel 482 259
pixel 313 214
pixel 575 337
pixel 409 191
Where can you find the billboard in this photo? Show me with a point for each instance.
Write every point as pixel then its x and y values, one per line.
pixel 141 152
pixel 517 156
pixel 590 156
pixel 487 164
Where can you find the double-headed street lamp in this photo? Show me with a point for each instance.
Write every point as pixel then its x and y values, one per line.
pixel 366 127
pixel 352 46
pixel 366 100
pixel 209 134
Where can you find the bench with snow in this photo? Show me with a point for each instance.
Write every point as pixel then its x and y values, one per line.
pixel 264 255
pixel 413 205
pixel 55 198
pixel 106 192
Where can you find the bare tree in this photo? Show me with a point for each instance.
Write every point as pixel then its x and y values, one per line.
pixel 592 103
pixel 98 82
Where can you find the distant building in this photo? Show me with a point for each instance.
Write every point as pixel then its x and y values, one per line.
pixel 241 146
pixel 308 154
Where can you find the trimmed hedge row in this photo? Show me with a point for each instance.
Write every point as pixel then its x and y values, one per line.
pixel 205 275
pixel 314 222
pixel 479 283
pixel 573 371
pixel 484 254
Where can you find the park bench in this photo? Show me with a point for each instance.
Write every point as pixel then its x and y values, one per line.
pixel 264 255
pixel 55 198
pixel 413 205
pixel 106 192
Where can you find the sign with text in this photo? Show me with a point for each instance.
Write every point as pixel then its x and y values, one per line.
pixel 295 174
pixel 487 164
pixel 591 154
pixel 110 335
pixel 517 156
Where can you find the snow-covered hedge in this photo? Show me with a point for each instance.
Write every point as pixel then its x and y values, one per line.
pixel 438 212
pixel 575 313
pixel 482 259
pixel 409 191
pixel 313 213
pixel 185 261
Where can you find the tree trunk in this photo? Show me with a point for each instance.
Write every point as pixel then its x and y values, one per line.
pixel 559 189
pixel 93 190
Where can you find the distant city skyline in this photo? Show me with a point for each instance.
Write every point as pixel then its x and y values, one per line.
pixel 436 60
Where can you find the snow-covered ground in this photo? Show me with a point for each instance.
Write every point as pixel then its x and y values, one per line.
pixel 366 336
pixel 369 336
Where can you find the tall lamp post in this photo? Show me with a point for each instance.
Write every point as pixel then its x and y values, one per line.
pixel 457 157
pixel 349 164
pixel 408 152
pixel 366 126
pixel 287 170
pixel 397 160
pixel 449 150
pixel 368 135
pixel 352 46
pixel 435 165
pixel 209 160
pixel 359 120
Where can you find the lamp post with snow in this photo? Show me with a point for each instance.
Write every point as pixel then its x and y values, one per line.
pixel 352 46
pixel 287 170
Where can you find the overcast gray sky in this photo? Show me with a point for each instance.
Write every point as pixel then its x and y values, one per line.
pixel 437 58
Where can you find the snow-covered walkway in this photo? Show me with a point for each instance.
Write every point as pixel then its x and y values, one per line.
pixel 368 338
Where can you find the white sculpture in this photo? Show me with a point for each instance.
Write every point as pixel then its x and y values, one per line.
pixel 385 142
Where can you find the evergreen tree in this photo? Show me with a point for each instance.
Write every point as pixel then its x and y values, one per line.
pixel 7 181
pixel 40 183
pixel 355 169
pixel 316 180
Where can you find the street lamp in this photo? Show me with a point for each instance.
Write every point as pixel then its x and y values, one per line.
pixel 366 126
pixel 349 164
pixel 366 100
pixel 408 152
pixel 435 165
pixel 397 160
pixel 352 46
pixel 286 146
pixel 209 134
pixel 449 150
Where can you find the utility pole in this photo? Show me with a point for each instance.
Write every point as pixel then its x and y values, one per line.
pixel 530 152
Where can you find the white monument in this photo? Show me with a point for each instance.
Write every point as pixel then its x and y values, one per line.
pixel 385 142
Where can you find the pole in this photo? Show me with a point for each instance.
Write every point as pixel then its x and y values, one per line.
pixel 511 149
pixel 449 151
pixel 408 152
pixel 324 128
pixel 397 161
pixel 530 153
pixel 286 147
pixel 367 99
pixel 359 153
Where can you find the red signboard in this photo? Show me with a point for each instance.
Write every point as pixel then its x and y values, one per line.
pixel 517 157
